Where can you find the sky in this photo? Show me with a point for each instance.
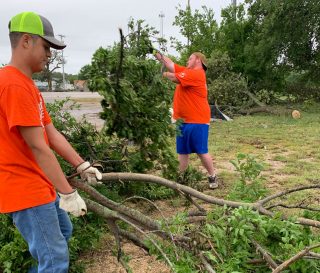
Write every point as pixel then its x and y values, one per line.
pixel 89 24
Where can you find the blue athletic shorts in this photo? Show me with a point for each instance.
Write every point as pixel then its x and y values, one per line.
pixel 193 138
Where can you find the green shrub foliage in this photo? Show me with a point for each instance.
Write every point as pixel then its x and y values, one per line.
pixel 136 99
pixel 227 236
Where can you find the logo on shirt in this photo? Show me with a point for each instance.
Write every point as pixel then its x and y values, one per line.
pixel 182 75
pixel 41 111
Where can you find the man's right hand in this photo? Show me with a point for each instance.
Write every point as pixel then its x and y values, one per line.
pixel 153 51
pixel 73 203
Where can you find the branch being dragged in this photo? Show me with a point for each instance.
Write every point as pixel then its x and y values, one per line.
pixel 126 212
pixel 106 213
pixel 258 206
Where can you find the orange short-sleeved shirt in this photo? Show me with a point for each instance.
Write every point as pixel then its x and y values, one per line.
pixel 190 101
pixel 22 183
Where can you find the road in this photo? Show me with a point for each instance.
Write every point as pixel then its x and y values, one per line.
pixel 89 104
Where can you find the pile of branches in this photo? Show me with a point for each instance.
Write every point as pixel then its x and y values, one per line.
pixel 143 225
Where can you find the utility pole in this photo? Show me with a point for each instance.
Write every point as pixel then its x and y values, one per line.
pixel 234 3
pixel 63 76
pixel 188 26
pixel 161 15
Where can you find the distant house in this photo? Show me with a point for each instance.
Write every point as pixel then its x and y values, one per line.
pixel 56 86
pixel 68 87
pixel 42 86
pixel 81 85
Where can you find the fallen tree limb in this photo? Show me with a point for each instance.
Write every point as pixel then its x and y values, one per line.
pixel 128 213
pixel 261 107
pixel 292 207
pixel 125 177
pixel 259 205
pixel 207 266
pixel 283 193
pixel 254 98
pixel 266 256
pixel 106 213
pixel 133 238
pixel 296 257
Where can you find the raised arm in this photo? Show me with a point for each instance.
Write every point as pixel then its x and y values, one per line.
pixel 171 76
pixel 167 62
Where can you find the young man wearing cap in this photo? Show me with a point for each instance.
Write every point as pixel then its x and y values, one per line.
pixel 30 174
pixel 190 104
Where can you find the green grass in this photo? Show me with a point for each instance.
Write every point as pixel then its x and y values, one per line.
pixel 288 148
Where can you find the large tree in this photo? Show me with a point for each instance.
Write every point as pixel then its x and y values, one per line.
pixel 54 63
pixel 84 73
pixel 199 28
pixel 285 38
pixel 294 26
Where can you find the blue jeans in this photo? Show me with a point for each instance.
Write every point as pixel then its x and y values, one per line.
pixel 47 229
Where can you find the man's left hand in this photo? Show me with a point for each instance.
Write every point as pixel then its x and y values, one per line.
pixel 86 171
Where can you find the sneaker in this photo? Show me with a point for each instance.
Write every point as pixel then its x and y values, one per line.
pixel 181 179
pixel 213 184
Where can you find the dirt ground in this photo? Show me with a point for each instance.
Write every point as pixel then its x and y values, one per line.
pixel 104 261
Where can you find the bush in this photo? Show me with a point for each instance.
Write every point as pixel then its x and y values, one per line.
pixel 225 87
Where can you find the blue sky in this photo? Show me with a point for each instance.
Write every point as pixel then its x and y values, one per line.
pixel 89 24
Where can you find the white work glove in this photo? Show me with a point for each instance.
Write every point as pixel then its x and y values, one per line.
pixel 73 203
pixel 90 174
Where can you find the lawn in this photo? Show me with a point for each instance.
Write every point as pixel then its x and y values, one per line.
pixel 288 148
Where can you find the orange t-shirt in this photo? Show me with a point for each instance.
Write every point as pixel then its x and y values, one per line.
pixel 190 101
pixel 22 183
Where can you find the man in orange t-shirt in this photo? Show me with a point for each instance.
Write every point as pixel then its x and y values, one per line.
pixel 190 104
pixel 30 173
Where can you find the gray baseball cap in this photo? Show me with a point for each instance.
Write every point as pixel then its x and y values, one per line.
pixel 30 22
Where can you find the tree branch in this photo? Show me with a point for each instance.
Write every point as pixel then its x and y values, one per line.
pixel 106 213
pixel 282 193
pixel 292 207
pixel 266 256
pixel 206 264
pixel 210 199
pixel 296 257
pixel 119 72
